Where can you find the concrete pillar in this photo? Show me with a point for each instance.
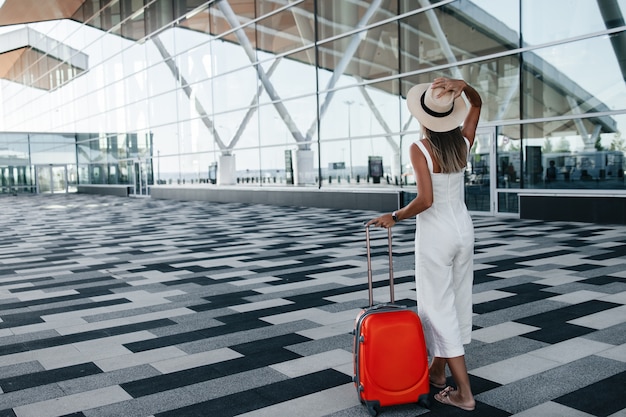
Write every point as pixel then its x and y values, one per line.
pixel 226 171
pixel 304 167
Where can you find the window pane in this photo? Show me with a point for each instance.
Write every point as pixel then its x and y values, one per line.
pixel 367 55
pixel 541 22
pixel 508 161
pixel 453 33
pixel 287 30
pixel 337 17
pixel 570 160
pixel 288 76
pixel 557 84
pixel 52 149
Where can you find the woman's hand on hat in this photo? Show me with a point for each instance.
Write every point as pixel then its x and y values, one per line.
pixel 447 84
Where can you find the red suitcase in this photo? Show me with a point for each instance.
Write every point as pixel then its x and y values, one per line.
pixel 390 358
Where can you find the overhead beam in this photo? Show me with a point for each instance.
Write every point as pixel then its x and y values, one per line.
pixel 613 18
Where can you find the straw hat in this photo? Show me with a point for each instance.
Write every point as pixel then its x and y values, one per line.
pixel 436 114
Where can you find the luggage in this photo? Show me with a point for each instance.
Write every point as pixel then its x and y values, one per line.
pixel 390 358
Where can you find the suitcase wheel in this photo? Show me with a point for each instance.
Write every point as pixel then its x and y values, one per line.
pixel 424 401
pixel 373 407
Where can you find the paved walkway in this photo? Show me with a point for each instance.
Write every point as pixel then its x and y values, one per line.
pixel 137 307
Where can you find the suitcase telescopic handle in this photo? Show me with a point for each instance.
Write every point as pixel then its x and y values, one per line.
pixel 369 266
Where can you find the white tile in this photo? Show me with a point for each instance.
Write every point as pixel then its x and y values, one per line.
pixel 577 297
pixel 195 360
pixel 314 363
pixel 571 350
pixel 312 314
pixel 558 277
pixel 140 358
pixel 551 409
pixel 619 298
pixel 617 353
pixel 480 267
pixel 80 352
pixel 40 295
pixel 514 369
pixel 568 259
pixel 618 274
pixel 260 305
pixel 48 325
pixel 346 368
pixel 603 319
pixel 502 331
pixel 319 404
pixel 512 273
pixel 73 403
pixel 250 281
pixel 122 321
pixel 485 296
pixel 330 330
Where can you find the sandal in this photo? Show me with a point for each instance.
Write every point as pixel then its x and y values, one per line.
pixel 444 398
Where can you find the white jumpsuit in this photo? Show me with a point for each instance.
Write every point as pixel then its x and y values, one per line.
pixel 444 274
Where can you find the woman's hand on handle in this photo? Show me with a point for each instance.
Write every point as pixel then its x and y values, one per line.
pixel 386 221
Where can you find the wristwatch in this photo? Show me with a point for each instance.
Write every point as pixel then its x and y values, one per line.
pixel 394 217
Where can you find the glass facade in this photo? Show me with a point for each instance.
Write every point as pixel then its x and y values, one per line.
pixel 310 93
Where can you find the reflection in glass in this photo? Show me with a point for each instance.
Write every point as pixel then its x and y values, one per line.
pixel 508 162
pixel 368 55
pixel 446 35
pixel 570 160
pixel 540 26
pixel 478 174
pixel 558 85
pixel 338 17
pixel 508 203
pixel 286 30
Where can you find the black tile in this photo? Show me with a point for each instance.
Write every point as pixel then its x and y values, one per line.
pixel 232 324
pixel 258 354
pixel 601 399
pixel 81 337
pixel 32 317
pixel 603 280
pixel 229 299
pixel 36 379
pixel 558 332
pixel 257 346
pixel 582 267
pixel 575 243
pixel 512 301
pixel 265 396
pixel 562 315
pixel 614 252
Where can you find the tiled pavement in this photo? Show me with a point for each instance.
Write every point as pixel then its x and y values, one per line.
pixel 137 307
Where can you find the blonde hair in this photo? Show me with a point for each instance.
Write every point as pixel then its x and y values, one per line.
pixel 448 148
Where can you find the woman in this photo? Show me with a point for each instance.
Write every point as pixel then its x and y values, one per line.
pixel 444 236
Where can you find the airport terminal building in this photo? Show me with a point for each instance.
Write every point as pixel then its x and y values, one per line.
pixel 302 102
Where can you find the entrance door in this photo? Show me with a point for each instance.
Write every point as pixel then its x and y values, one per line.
pixel 479 176
pixel 7 179
pixel 138 176
pixel 52 179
